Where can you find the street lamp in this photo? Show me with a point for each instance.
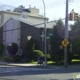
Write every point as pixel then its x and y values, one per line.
pixel 45 61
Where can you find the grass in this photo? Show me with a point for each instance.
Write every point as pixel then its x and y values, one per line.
pixel 48 62
pixel 74 61
pixel 1 58
pixel 35 62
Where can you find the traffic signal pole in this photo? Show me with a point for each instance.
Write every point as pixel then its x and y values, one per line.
pixel 66 36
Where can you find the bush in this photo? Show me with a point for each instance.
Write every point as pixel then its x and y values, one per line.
pixel 39 53
pixel 29 49
pixel 12 48
pixel 17 58
pixel 8 59
pixel 1 49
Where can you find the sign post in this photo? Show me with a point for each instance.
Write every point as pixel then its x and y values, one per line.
pixel 65 42
pixel 66 36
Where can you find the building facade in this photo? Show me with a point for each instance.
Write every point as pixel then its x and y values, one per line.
pixel 17 26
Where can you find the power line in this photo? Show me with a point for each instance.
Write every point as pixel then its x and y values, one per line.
pixel 26 27
pixel 53 4
pixel 75 5
pixel 19 1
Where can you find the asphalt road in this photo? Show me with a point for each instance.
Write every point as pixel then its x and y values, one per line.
pixel 29 73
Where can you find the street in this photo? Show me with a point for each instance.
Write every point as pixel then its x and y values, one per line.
pixel 34 73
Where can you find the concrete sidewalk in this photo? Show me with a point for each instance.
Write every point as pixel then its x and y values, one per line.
pixel 37 66
pixel 17 64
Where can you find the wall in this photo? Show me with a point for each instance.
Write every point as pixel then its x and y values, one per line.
pixel 35 20
pixel 28 30
pixel 9 15
pixel 1 34
pixel 34 11
pixel 11 36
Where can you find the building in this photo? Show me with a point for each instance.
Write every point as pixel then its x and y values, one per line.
pixel 16 26
pixel 29 14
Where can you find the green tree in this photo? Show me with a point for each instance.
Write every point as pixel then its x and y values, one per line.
pixel 75 29
pixel 55 42
pixel 29 49
pixel 60 23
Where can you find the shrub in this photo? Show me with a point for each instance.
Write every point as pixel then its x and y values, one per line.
pixel 39 53
pixel 17 58
pixel 8 59
pixel 29 49
pixel 12 48
pixel 1 49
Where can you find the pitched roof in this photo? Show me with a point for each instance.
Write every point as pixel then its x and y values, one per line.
pixel 20 21
pixel 33 23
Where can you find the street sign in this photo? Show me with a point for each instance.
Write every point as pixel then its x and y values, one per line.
pixel 48 37
pixel 65 42
pixel 42 35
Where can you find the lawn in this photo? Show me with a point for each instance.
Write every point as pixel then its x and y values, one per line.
pixel 74 61
pixel 48 62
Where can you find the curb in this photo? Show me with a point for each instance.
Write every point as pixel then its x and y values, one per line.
pixel 72 67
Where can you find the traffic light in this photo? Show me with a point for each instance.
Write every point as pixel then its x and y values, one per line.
pixel 75 16
pixel 71 16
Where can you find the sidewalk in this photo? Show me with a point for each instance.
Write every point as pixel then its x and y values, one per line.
pixel 76 67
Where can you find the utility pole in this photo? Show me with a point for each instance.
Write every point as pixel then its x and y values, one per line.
pixel 66 36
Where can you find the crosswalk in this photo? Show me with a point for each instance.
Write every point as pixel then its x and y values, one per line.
pixel 18 69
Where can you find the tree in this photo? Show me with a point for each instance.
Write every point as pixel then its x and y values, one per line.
pixel 75 29
pixel 60 23
pixel 76 46
pixel 55 42
pixel 29 49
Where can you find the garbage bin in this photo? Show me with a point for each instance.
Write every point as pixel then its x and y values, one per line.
pixel 40 60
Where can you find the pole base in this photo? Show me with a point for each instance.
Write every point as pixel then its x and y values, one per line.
pixel 45 63
pixel 66 65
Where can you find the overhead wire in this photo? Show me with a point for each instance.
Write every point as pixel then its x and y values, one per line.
pixel 19 1
pixel 49 7
pixel 56 2
pixel 26 27
pixel 75 5
pixel 52 4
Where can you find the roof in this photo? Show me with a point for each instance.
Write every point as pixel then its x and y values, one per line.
pixel 20 21
pixel 26 10
pixel 32 23
pixel 11 12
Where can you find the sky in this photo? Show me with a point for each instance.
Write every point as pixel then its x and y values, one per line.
pixel 55 9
